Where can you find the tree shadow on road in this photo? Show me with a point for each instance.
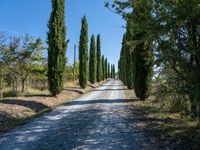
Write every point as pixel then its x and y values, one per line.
pixel 76 90
pixel 109 89
pixel 99 101
pixel 33 105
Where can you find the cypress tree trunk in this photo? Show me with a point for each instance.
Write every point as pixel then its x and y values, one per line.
pixel 57 47
pixel 99 63
pixel 93 61
pixel 83 54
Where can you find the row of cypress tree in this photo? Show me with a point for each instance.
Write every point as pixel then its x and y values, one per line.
pixel 95 68
pixel 135 64
pixel 98 68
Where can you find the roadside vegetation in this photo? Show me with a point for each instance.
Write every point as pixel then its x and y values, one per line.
pixel 168 126
pixel 160 61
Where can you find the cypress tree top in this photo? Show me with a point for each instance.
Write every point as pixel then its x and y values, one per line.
pixel 83 54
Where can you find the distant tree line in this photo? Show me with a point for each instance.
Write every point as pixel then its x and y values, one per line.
pixel 161 50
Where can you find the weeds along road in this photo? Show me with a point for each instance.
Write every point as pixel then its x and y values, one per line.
pixel 99 119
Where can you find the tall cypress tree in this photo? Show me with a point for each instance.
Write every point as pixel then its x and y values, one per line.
pixel 103 68
pixel 93 61
pixel 57 47
pixel 113 71
pixel 106 68
pixel 143 49
pixel 83 54
pixel 143 73
pixel 123 73
pixel 129 66
pixel 109 70
pixel 99 63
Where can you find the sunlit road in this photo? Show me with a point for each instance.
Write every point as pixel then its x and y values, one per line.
pixel 99 119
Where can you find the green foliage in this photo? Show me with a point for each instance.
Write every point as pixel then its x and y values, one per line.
pixel 179 50
pixel 70 71
pixel 109 74
pixel 113 71
pixel 106 68
pixel 135 64
pixel 122 62
pixel 57 47
pixel 93 61
pixel 170 95
pixel 22 58
pixel 103 67
pixel 171 30
pixel 129 56
pixel 83 54
pixel 99 63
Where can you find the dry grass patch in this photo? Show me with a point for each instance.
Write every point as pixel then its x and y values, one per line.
pixel 18 110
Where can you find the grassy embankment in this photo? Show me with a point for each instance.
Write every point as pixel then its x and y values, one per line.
pixel 183 129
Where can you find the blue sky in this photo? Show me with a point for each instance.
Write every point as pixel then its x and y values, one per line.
pixel 31 16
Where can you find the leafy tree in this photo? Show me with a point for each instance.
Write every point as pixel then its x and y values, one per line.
pixel 2 63
pixel 99 63
pixel 83 54
pixel 23 58
pixel 179 51
pixel 93 61
pixel 57 47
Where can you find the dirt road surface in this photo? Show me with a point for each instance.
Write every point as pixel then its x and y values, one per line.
pixel 99 119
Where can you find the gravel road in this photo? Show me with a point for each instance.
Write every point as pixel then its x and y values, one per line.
pixel 97 120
